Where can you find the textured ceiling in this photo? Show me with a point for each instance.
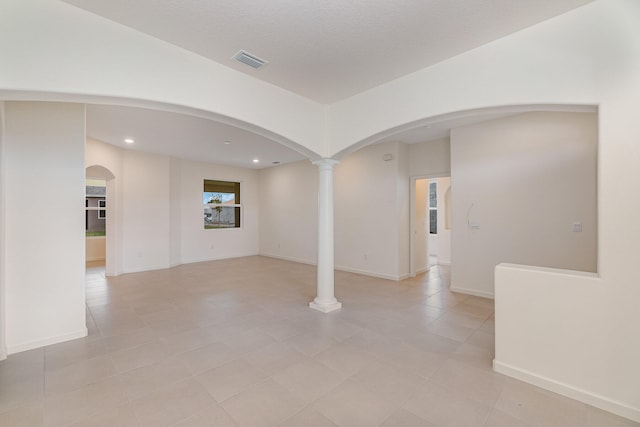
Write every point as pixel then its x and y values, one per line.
pixel 328 50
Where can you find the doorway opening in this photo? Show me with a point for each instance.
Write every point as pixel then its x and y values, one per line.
pixel 430 223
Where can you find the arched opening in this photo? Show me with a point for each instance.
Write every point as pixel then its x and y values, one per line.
pixel 100 225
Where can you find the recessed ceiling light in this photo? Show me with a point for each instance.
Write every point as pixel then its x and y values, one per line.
pixel 129 141
pixel 227 142
pixel 256 161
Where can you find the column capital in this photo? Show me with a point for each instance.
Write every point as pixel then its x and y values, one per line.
pixel 325 163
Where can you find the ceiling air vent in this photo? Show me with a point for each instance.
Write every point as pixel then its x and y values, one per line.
pixel 250 60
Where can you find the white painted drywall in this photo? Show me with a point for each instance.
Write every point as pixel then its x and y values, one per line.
pixel 371 216
pixel 175 211
pixel 3 344
pixel 430 159
pixel 589 56
pixel 199 244
pixel 145 211
pixel 367 216
pixel 524 180
pixel 158 213
pixel 111 60
pixel 444 210
pixel 421 226
pixel 44 172
pixel 289 212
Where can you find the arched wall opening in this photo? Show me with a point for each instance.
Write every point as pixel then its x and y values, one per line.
pixel 108 243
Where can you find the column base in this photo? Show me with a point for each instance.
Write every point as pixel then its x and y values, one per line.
pixel 326 308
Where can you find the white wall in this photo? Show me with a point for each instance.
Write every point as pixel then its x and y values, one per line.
pixel 84 54
pixel 524 180
pixel 3 343
pixel 156 204
pixel 289 212
pixel 199 244
pixel 444 211
pixel 421 226
pixel 371 212
pixel 367 216
pixel 44 172
pixel 145 211
pixel 431 158
pixel 590 56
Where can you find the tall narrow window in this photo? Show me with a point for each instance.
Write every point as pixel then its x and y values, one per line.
pixel 433 207
pixel 221 200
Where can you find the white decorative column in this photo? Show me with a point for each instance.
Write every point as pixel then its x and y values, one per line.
pixel 326 300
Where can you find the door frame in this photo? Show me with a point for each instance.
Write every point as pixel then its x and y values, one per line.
pixel 412 216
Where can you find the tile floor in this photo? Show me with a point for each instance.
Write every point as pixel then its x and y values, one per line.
pixel 232 342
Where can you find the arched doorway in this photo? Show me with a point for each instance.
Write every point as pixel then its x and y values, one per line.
pixel 100 218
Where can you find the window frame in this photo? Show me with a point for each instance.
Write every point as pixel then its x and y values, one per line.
pixel 238 207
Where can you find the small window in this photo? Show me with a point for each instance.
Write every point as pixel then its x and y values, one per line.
pixel 102 214
pixel 433 207
pixel 221 201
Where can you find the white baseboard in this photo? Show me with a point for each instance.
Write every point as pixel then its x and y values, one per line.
pixel 46 341
pixel 341 268
pixel 286 258
pixel 570 391
pixel 371 273
pixel 143 269
pixel 422 270
pixel 217 258
pixel 473 292
pixel 88 259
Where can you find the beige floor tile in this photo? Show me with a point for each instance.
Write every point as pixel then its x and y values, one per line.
pixel 449 330
pixel 67 408
pixel 145 380
pixel 345 358
pixel 540 407
pixel 274 357
pixel 66 353
pixel 143 355
pixel 308 417
pixel 247 341
pixel 397 383
pixel 311 344
pixel 129 340
pixel 230 379
pixel 309 379
pixel 21 391
pixel 483 340
pixel 79 374
pixel 404 418
pixel 188 340
pixel 29 415
pixel 121 416
pixel 437 405
pixel 498 418
pixel 208 357
pixel 239 332
pixel 464 380
pixel 263 405
pixel 421 362
pixel 171 404
pixel 474 356
pixel 211 416
pixel 353 405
